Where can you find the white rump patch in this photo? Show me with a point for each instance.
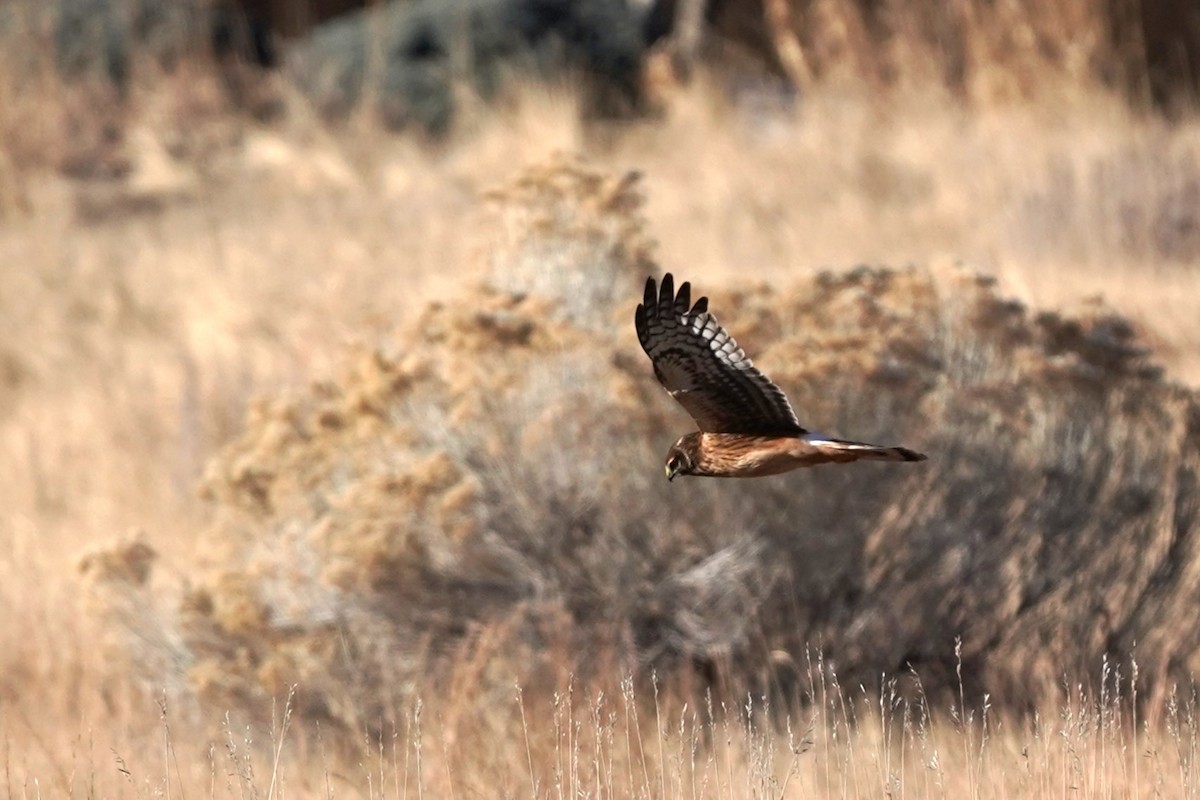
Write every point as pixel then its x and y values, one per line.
pixel 820 438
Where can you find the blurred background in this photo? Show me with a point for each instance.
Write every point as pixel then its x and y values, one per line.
pixel 321 407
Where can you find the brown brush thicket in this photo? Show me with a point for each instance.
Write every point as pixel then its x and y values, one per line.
pixel 984 49
pixel 416 64
pixel 479 498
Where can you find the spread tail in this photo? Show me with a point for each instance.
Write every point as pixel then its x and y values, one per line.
pixel 842 450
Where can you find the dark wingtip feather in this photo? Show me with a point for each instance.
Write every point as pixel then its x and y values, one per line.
pixel 700 307
pixel 650 295
pixel 666 294
pixel 683 299
pixel 911 455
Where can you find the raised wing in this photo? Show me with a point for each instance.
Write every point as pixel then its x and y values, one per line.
pixel 702 367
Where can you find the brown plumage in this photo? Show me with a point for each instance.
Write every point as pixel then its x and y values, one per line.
pixel 747 427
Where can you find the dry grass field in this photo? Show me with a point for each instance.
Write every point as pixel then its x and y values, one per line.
pixel 331 466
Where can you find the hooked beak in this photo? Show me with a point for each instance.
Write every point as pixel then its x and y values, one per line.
pixel 670 472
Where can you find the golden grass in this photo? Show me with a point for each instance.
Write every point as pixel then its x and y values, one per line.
pixel 140 318
pixel 634 740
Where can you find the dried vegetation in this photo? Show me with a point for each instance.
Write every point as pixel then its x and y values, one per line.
pixel 467 498
pixel 487 478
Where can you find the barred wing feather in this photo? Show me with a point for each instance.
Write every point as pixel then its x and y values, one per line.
pixel 703 368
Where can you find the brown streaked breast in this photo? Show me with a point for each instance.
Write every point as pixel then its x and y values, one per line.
pixel 734 455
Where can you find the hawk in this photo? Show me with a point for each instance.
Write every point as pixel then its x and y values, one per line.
pixel 747 427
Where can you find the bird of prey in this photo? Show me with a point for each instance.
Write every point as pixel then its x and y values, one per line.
pixel 747 427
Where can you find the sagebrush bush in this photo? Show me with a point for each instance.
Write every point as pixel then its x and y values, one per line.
pixel 485 489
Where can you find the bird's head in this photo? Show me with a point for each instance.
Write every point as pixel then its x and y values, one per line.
pixel 681 458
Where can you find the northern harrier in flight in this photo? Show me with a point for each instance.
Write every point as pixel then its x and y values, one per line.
pixel 747 427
